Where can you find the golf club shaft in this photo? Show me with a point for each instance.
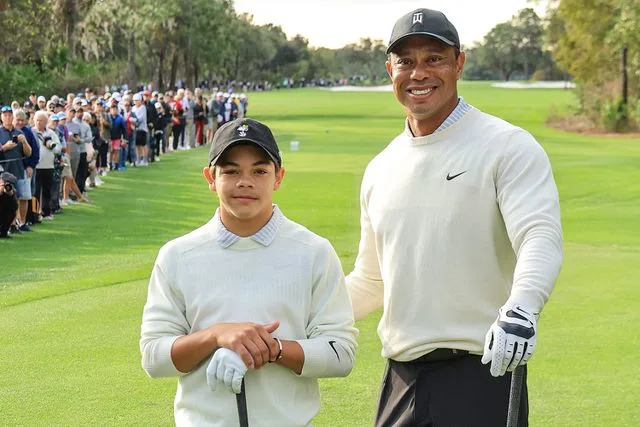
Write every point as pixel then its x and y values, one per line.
pixel 514 396
pixel 241 402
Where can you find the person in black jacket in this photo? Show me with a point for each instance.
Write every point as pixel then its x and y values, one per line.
pixel 8 203
pixel 152 118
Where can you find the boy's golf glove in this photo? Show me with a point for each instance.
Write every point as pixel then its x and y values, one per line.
pixel 227 367
pixel 511 340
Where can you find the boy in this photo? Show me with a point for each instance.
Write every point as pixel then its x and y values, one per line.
pixel 254 282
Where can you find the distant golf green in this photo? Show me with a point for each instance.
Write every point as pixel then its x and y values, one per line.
pixel 71 293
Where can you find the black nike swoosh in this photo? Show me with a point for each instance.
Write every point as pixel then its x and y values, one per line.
pixel 331 343
pixel 450 177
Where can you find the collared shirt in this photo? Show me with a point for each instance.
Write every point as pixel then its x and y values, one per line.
pixel 461 109
pixel 264 236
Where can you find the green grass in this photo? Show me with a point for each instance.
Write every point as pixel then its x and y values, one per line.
pixel 72 292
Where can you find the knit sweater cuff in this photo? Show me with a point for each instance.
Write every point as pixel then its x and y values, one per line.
pixel 158 362
pixel 315 358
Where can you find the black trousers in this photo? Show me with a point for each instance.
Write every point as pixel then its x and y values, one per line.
pixel 83 172
pixel 456 392
pixel 44 184
pixel 8 208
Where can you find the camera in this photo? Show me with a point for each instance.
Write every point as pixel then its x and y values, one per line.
pixel 48 143
pixel 8 188
pixel 14 138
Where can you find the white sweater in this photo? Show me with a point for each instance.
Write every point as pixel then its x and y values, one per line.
pixel 443 255
pixel 47 155
pixel 296 278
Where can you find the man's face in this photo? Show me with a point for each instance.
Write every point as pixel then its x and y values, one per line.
pixel 137 102
pixel 424 72
pixel 42 104
pixel 19 122
pixel 114 110
pixel 41 122
pixel 245 179
pixel 7 119
pixel 79 113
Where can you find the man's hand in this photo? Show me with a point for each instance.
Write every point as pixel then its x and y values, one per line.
pixel 511 340
pixel 227 367
pixel 9 145
pixel 29 171
pixel 22 139
pixel 251 341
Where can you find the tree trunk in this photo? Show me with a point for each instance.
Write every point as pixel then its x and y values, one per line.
pixel 160 68
pixel 195 73
pixel 174 70
pixel 131 62
pixel 624 75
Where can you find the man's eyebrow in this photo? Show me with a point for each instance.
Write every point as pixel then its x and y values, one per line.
pixel 439 48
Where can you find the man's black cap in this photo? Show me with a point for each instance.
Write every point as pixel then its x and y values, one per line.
pixel 241 131
pixel 9 177
pixel 424 22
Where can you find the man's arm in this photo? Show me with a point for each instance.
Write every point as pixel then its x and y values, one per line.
pixel 26 148
pixel 364 283
pixel 329 350
pixel 528 199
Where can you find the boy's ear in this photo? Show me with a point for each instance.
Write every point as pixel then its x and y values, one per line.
pixel 279 177
pixel 210 178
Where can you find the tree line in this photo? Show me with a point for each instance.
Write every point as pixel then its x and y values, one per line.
pixel 63 45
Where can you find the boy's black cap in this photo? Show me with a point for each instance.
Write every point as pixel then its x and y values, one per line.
pixel 424 22
pixel 241 131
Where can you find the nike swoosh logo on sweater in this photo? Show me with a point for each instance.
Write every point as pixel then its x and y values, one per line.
pixel 450 177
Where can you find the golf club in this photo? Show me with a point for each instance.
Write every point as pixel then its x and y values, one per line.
pixel 241 401
pixel 514 396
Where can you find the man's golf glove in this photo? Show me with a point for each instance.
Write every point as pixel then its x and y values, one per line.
pixel 227 367
pixel 511 340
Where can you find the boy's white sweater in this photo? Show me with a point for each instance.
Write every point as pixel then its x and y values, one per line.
pixel 296 279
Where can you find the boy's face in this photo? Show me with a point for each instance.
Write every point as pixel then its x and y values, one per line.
pixel 245 179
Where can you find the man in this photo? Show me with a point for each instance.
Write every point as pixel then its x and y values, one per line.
pixel 25 212
pixel 14 148
pixel 251 294
pixel 142 130
pixel 8 203
pixel 42 103
pixel 152 119
pixel 460 242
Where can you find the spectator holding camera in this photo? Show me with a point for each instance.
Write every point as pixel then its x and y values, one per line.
pixel 14 148
pixel 8 203
pixel 49 145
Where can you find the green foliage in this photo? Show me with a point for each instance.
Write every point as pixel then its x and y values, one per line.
pixel 16 81
pixel 615 115
pixel 587 37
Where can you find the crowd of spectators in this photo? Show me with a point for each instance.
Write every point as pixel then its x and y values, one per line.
pixel 53 151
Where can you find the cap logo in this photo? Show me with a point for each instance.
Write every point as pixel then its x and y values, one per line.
pixel 242 130
pixel 417 17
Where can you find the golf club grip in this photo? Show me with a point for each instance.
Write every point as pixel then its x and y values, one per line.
pixel 241 402
pixel 514 396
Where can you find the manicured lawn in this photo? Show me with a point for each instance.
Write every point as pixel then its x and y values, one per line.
pixel 71 293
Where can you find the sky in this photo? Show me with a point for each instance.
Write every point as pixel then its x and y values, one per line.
pixel 335 23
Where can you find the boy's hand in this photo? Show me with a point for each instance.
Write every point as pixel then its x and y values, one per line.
pixel 253 342
pixel 227 367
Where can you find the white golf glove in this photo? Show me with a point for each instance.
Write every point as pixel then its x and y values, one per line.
pixel 511 340
pixel 227 367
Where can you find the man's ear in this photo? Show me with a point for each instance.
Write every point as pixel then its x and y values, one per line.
pixel 210 178
pixel 387 65
pixel 460 64
pixel 279 177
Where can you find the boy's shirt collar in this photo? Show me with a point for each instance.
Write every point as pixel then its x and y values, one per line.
pixel 265 236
